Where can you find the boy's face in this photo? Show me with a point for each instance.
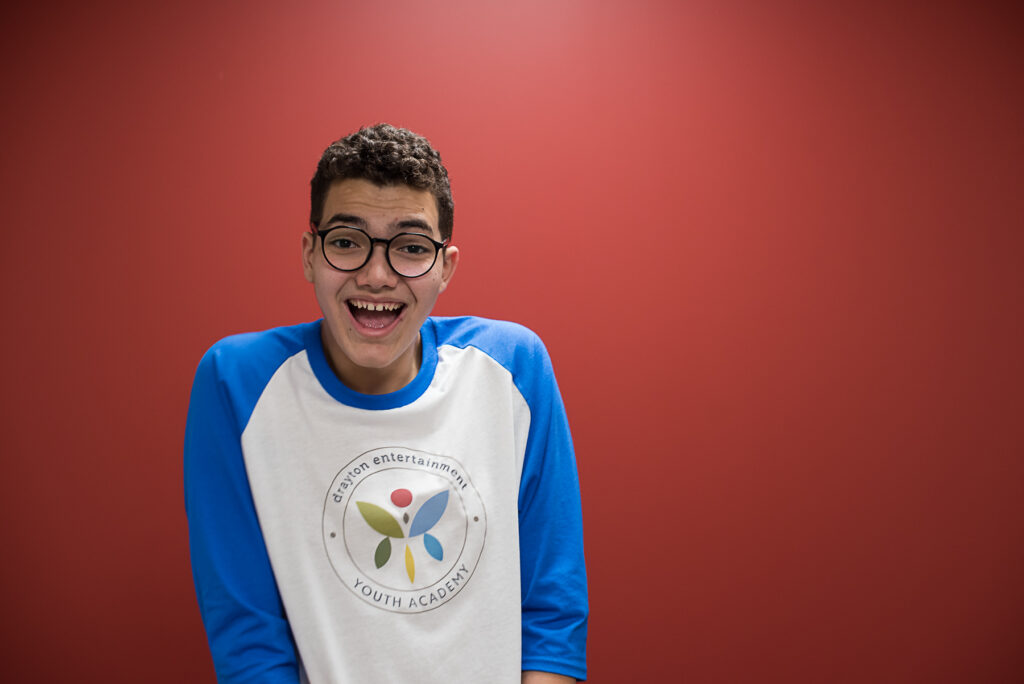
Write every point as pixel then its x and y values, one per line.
pixel 375 351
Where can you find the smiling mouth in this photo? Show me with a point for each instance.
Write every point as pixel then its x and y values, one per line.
pixel 374 315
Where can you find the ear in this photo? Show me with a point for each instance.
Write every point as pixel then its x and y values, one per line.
pixel 308 254
pixel 448 266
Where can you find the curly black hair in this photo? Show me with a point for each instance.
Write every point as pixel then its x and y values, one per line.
pixel 385 155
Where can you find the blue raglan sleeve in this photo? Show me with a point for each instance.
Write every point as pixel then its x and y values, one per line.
pixel 241 608
pixel 553 575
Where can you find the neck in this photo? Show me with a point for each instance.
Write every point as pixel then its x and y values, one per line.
pixel 390 378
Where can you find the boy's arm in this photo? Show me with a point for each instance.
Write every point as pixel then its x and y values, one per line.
pixel 553 573
pixel 249 637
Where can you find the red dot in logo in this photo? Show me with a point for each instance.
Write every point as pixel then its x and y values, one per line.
pixel 401 497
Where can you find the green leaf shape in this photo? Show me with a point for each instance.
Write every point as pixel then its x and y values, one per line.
pixel 380 520
pixel 383 553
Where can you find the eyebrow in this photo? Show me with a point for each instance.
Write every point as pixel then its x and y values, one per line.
pixel 346 218
pixel 353 220
pixel 415 223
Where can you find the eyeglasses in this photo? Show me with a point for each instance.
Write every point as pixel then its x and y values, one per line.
pixel 410 255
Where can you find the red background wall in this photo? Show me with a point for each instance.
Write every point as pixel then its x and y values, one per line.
pixel 775 250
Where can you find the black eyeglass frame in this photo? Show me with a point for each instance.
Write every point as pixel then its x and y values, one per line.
pixel 323 232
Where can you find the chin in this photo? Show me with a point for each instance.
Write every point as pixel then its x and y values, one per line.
pixel 375 355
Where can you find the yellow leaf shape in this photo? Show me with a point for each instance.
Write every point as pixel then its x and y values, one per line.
pixel 410 564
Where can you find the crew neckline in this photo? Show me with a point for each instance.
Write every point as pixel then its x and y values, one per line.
pixel 333 385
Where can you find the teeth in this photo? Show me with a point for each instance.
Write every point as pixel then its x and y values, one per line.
pixel 375 306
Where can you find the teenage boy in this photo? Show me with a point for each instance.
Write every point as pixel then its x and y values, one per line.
pixel 383 496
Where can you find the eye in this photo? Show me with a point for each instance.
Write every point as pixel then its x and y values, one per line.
pixel 412 246
pixel 345 239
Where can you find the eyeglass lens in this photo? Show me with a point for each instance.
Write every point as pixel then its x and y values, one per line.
pixel 348 249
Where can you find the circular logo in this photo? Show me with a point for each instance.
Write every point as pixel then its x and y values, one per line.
pixel 403 529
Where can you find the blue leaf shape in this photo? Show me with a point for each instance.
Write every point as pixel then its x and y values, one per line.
pixel 430 512
pixel 433 546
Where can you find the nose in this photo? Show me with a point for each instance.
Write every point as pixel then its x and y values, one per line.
pixel 377 271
